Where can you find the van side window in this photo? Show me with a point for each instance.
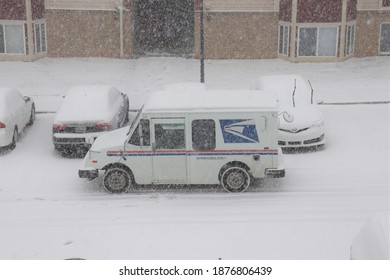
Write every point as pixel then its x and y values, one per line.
pixel 169 136
pixel 203 134
pixel 141 135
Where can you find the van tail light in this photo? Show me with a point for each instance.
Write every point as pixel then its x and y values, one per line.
pixel 2 125
pixel 103 126
pixel 58 127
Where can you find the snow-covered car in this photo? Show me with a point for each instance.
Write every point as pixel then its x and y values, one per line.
pixel 16 112
pixel 373 241
pixel 301 124
pixel 87 112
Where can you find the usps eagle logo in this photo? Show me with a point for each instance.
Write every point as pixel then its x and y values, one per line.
pixel 239 131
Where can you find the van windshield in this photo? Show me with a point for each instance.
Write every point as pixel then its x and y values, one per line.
pixel 135 120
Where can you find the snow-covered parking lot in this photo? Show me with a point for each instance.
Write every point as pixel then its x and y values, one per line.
pixel 315 212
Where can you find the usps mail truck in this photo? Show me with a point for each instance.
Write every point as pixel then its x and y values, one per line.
pixel 191 137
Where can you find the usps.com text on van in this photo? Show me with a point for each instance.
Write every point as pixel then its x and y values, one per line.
pixel 194 269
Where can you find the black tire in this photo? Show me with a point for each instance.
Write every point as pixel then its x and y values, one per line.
pixel 32 116
pixel 117 180
pixel 14 139
pixel 235 179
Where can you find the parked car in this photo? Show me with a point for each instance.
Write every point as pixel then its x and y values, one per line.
pixel 301 124
pixel 86 113
pixel 16 112
pixel 373 241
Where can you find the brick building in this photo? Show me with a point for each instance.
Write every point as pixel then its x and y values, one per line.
pixel 294 30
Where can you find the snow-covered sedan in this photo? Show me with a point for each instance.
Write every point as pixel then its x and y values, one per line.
pixel 86 113
pixel 301 124
pixel 16 112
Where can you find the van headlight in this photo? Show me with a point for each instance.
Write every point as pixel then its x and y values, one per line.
pixel 93 154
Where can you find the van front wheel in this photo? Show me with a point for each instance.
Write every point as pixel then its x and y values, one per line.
pixel 235 179
pixel 116 180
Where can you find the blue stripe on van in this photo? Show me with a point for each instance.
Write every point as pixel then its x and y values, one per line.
pixel 192 153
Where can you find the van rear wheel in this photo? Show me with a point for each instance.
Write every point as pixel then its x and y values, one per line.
pixel 116 180
pixel 235 179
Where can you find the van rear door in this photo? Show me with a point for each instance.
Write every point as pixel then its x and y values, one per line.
pixel 169 151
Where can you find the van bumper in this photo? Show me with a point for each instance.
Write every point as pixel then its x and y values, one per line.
pixel 89 174
pixel 275 173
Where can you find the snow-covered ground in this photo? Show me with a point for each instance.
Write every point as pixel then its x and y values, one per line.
pixel 315 212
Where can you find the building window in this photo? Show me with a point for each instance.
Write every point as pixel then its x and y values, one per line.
pixel 318 41
pixel 284 34
pixel 40 37
pixel 385 39
pixel 12 39
pixel 350 40
pixel 385 3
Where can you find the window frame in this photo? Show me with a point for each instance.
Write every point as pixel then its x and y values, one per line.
pixel 4 39
pixel 350 39
pixel 42 47
pixel 317 40
pixel 385 5
pixel 283 40
pixel 380 39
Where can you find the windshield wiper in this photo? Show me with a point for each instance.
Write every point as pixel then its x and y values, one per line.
pixel 311 91
pixel 293 95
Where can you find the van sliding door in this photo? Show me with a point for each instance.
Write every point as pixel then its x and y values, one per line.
pixel 169 151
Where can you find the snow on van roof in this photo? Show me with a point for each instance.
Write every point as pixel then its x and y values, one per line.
pixel 200 100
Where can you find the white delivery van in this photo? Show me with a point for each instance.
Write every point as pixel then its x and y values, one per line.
pixel 191 137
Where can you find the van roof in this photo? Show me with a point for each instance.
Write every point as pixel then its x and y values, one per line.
pixel 208 100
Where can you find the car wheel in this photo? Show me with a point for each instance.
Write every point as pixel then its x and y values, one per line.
pixel 116 180
pixel 235 179
pixel 14 139
pixel 32 116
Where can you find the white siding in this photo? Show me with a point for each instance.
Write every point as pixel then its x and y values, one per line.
pixel 82 4
pixel 242 5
